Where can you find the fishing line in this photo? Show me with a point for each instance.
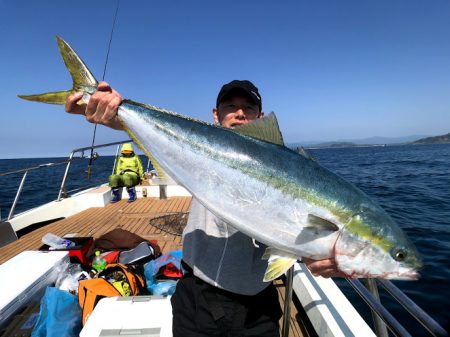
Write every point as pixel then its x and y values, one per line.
pixel 89 170
pixel 110 40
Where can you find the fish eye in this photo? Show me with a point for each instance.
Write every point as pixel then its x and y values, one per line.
pixel 399 254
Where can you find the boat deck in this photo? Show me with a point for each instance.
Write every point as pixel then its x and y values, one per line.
pixel 134 217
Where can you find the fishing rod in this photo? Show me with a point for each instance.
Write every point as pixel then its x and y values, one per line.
pixel 93 155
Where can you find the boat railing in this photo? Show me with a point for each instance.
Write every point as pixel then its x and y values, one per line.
pixel 22 182
pixel 383 319
pixel 62 191
pixel 367 290
pixel 76 154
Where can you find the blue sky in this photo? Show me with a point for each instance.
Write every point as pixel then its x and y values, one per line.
pixel 331 70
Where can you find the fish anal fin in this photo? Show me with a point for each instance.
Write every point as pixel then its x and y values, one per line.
pixel 279 262
pixel 266 129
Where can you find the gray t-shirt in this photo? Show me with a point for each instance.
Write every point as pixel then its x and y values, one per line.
pixel 221 255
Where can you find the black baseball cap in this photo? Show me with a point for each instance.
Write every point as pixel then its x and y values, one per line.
pixel 245 87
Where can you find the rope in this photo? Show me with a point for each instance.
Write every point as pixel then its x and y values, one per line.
pixel 89 170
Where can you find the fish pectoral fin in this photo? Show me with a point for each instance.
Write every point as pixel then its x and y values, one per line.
pixel 266 129
pixel 319 224
pixel 279 263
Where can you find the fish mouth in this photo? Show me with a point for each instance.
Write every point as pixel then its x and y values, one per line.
pixel 409 275
pixel 403 276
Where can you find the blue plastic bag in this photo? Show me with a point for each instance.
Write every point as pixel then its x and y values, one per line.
pixel 59 315
pixel 162 287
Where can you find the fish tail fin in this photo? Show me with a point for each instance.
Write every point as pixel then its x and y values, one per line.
pixel 279 263
pixel 82 77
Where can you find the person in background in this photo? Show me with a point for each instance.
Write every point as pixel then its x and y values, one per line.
pixel 128 173
pixel 222 292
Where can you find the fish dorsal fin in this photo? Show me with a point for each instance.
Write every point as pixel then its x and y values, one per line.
pixel 319 224
pixel 279 262
pixel 266 129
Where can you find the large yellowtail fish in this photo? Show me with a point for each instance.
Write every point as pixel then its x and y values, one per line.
pixel 247 177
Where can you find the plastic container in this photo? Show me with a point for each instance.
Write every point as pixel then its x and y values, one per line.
pixel 24 279
pixel 57 242
pixel 130 316
pixel 99 263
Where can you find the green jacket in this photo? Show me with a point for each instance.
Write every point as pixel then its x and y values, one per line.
pixel 129 163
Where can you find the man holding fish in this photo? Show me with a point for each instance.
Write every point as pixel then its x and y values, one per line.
pixel 223 290
pixel 254 199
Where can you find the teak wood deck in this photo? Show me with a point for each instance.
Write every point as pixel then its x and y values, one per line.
pixel 135 218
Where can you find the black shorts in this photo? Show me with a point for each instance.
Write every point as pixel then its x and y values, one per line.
pixel 200 309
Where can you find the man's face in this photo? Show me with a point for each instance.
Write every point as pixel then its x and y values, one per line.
pixel 236 110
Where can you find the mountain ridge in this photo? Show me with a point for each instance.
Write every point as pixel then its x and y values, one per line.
pixel 374 140
pixel 443 139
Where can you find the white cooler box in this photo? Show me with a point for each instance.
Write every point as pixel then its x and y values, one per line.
pixel 149 316
pixel 24 278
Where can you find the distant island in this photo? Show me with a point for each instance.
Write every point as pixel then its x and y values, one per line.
pixel 374 141
pixel 337 145
pixel 444 139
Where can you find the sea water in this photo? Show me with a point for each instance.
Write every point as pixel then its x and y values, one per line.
pixel 412 183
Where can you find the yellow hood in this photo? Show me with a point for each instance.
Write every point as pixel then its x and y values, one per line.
pixel 127 147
